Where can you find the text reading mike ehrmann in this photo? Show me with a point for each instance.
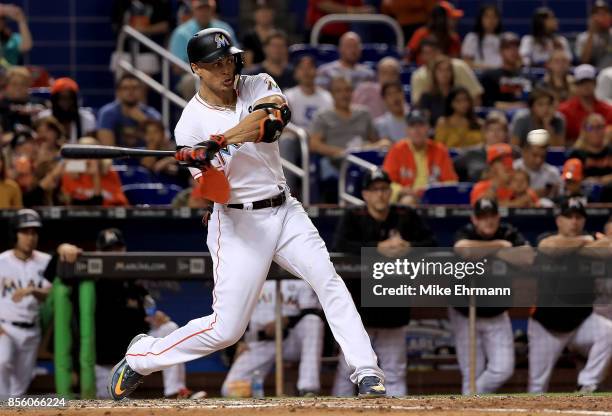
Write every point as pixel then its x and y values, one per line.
pixel 433 270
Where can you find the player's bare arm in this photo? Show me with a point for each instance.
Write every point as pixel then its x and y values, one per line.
pixel 251 128
pixel 475 249
pixel 559 245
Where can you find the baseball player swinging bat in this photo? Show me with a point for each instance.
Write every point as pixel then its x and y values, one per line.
pixel 228 132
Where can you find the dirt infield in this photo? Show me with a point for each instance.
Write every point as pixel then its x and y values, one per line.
pixel 498 405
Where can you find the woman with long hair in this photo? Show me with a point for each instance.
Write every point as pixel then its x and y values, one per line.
pixel 480 47
pixel 10 193
pixel 77 122
pixel 536 48
pixel 460 127
pixel 443 80
pixel 558 78
pixel 441 26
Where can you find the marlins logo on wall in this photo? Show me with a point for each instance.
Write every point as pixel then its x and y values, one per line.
pixel 221 40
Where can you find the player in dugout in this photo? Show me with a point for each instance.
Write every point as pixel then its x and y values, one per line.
pixel 487 236
pixel 25 283
pixel 393 230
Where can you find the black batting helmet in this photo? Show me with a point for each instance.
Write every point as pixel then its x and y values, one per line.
pixel 208 45
pixel 25 218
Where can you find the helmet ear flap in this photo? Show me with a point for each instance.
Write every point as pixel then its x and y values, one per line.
pixel 239 60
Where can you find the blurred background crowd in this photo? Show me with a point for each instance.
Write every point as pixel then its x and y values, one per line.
pixel 461 94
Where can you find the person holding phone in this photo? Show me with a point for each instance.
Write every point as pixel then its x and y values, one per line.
pixel 594 46
pixel 92 182
pixel 13 45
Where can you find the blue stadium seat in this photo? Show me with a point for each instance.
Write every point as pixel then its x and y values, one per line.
pixel 376 51
pixel 556 156
pixel 355 173
pixel 456 194
pixel 130 174
pixel 150 193
pixel 327 53
pixel 298 50
pixel 454 153
pixel 592 191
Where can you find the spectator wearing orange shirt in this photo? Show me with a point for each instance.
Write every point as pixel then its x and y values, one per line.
pixel 499 159
pixel 410 14
pixel 577 108
pixel 92 182
pixel 417 161
pixel 10 193
pixel 441 25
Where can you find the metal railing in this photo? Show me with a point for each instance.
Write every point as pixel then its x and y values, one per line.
pixel 304 171
pixel 361 18
pixel 168 96
pixel 166 58
pixel 344 196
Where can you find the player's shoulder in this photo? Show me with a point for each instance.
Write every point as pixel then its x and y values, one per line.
pixel 5 255
pixel 41 257
pixel 248 84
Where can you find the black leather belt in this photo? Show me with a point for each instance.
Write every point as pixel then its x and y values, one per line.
pixel 20 324
pixel 264 203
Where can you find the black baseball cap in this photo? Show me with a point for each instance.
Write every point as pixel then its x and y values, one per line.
pixel 571 205
pixel 416 117
pixel 375 176
pixel 485 206
pixel 110 238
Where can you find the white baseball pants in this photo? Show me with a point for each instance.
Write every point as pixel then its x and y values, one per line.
pixel 390 347
pixel 18 352
pixel 494 350
pixel 243 245
pixel 593 339
pixel 304 343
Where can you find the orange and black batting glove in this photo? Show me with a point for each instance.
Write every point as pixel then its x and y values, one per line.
pixel 201 154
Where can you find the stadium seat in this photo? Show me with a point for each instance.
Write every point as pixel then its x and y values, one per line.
pixel 130 174
pixel 556 156
pixel 150 193
pixel 456 193
pixel 298 50
pixel 355 173
pixel 376 51
pixel 327 53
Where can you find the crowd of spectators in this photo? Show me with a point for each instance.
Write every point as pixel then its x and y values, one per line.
pixel 467 98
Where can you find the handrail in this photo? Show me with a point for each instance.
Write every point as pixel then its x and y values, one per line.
pixel 344 196
pixel 166 57
pixel 168 96
pixel 365 18
pixel 127 30
pixel 304 171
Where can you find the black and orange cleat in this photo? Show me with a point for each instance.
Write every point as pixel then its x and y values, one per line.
pixel 123 380
pixel 371 386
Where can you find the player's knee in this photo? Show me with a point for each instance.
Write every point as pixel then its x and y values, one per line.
pixel 313 322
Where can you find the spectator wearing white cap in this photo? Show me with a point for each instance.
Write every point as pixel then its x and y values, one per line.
pixel 543 178
pixel 594 46
pixel 541 114
pixel 583 103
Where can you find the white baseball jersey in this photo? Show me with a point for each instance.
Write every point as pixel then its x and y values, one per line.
pixel 15 274
pixel 254 171
pixel 297 295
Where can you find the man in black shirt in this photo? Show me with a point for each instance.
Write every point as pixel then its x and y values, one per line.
pixel 393 230
pixel 276 62
pixel 550 330
pixel 506 87
pixel 486 236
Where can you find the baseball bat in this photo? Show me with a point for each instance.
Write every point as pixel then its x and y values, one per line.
pixel 94 151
